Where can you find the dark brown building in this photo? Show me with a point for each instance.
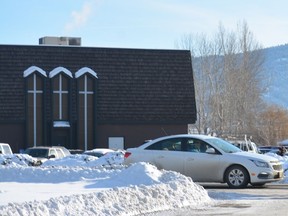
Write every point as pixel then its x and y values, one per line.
pixel 84 97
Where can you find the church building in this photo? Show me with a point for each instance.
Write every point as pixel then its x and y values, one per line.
pixel 91 97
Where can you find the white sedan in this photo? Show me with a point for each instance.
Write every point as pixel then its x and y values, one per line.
pixel 207 159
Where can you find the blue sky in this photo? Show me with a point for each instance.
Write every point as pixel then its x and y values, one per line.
pixel 139 23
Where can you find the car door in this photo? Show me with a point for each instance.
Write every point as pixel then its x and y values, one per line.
pixel 168 154
pixel 199 165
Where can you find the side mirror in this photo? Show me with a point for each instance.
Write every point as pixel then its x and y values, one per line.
pixel 210 151
pixel 51 156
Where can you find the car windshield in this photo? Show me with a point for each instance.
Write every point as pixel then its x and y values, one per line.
pixel 95 154
pixel 223 145
pixel 41 153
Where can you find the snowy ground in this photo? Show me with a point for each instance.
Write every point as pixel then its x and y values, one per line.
pixel 85 185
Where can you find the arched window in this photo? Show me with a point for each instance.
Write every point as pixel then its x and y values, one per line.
pixel 61 107
pixel 86 106
pixel 34 77
pixel 60 93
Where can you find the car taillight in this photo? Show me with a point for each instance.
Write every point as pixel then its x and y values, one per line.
pixel 127 154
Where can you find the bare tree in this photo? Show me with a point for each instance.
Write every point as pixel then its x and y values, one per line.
pixel 274 125
pixel 203 59
pixel 227 70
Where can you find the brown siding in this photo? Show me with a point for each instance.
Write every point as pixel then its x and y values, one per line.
pixel 135 86
pixel 135 135
pixel 13 134
pixel 141 93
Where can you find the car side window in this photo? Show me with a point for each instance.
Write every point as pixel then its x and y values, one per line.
pixel 60 153
pixel 195 145
pixel 53 152
pixel 6 149
pixel 167 145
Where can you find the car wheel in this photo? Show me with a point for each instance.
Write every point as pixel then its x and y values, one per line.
pixel 237 177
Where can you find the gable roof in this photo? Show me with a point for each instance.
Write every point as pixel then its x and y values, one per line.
pixel 133 85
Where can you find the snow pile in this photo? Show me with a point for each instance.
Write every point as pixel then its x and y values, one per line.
pixel 86 185
pixel 52 174
pixel 134 190
pixel 17 159
pixel 134 200
pixel 109 159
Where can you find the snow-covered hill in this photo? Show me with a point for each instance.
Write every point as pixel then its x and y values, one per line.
pixel 276 68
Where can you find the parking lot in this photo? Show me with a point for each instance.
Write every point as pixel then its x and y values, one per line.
pixel 266 201
pixel 269 200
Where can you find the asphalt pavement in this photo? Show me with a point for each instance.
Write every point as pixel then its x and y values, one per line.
pixel 272 199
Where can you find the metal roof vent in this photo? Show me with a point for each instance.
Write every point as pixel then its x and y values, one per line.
pixel 68 41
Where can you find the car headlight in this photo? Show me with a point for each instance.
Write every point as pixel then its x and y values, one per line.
pixel 260 163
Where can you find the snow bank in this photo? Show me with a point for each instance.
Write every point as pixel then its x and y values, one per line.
pixel 17 159
pixel 96 186
pixel 111 158
pixel 139 189
pixel 117 201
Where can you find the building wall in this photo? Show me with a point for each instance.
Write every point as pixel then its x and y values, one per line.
pixel 13 134
pixel 138 94
pixel 135 135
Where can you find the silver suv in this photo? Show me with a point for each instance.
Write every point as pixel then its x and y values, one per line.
pixel 43 153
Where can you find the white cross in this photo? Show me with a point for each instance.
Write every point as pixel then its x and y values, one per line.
pixel 60 92
pixel 85 93
pixel 35 92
